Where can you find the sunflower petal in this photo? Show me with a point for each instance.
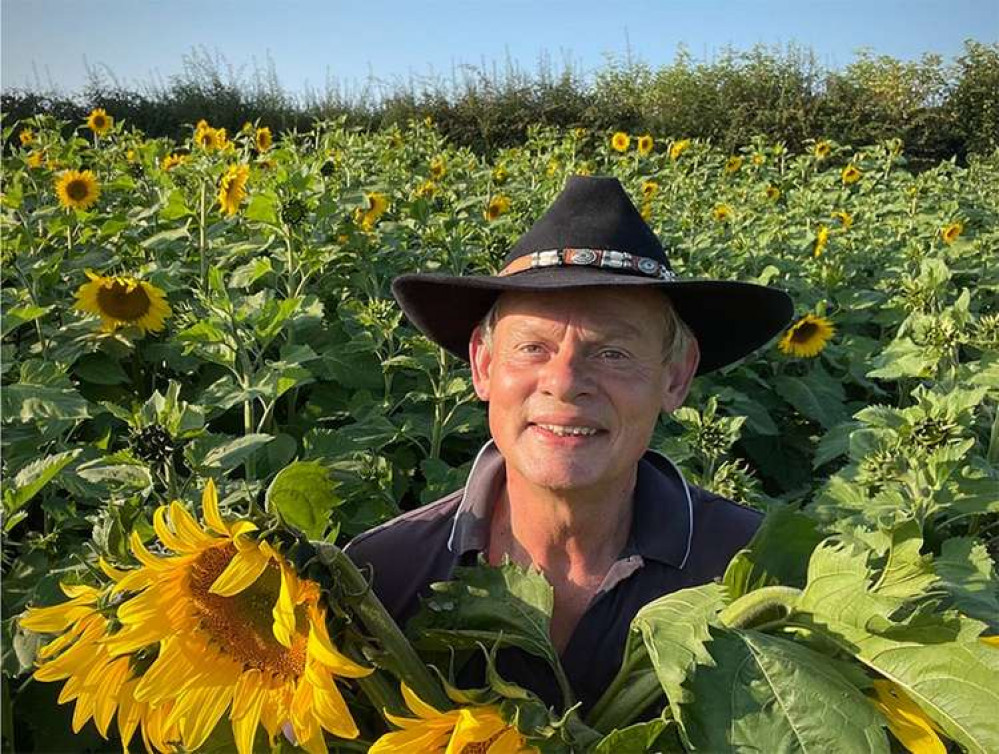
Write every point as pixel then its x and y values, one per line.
pixel 284 609
pixel 243 570
pixel 417 705
pixel 210 508
pixel 322 649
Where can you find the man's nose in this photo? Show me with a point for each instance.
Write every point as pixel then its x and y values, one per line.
pixel 565 375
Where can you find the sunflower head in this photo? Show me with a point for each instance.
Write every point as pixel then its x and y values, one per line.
pixel 232 188
pixel 263 139
pixel 649 189
pixel 437 168
pixel 759 159
pixel 27 137
pixel 851 174
pixel 677 148
pixel 99 121
pixel 822 149
pixel 498 205
pixel 807 337
pixel 210 139
pixel 845 218
pixel 821 239
pixel 772 193
pixel 173 160
pixel 121 301
pixel 722 213
pixel 951 233
pixel 36 159
pixel 426 190
pixel 77 189
pixel 500 174
pixel 733 164
pixel 620 141
pixel 645 144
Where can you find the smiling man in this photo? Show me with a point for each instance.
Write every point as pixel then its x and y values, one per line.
pixel 579 343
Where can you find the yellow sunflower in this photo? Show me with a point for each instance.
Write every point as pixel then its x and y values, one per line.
pixel 649 189
pixel 208 138
pixel 646 211
pixel 851 174
pixel 76 189
pixel 232 188
pixel 759 159
pixel 807 337
pixel 121 301
pixel 721 213
pixel 173 160
pixel 470 729
pixel 36 159
pixel 498 205
pixel 500 174
pixel 620 141
pixel 822 149
pixel 426 190
pixel 821 239
pixel 100 684
pixel 263 139
pixel 99 121
pixel 907 722
pixel 645 144
pixel 677 148
pixel 236 629
pixel 772 193
pixel 732 164
pixel 553 167
pixel 951 233
pixel 377 206
pixel 27 137
pixel 845 219
pixel 437 168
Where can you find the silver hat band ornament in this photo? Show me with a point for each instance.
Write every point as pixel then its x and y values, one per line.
pixel 603 258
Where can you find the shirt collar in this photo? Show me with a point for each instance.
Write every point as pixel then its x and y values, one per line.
pixel 663 519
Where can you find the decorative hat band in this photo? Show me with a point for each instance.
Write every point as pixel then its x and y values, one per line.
pixel 604 258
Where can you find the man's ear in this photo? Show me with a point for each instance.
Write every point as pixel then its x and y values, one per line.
pixel 680 376
pixel 480 358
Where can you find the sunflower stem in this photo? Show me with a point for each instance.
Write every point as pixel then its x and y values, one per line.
pixel 628 704
pixel 357 592
pixel 201 237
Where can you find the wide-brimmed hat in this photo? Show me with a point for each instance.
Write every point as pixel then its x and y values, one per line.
pixel 592 235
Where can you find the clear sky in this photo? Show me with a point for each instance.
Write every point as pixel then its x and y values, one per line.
pixel 311 41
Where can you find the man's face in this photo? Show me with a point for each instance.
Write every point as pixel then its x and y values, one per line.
pixel 575 381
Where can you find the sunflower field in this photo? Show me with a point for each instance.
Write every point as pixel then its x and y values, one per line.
pixel 207 389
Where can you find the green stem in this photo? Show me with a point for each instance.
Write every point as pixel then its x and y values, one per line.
pixel 760 606
pixel 376 619
pixel 383 694
pixel 620 681
pixel 201 237
pixel 627 705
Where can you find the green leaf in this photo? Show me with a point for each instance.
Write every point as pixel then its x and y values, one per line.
pixel 30 480
pixel 100 369
pixel 304 495
pixel 504 605
pixel 780 549
pixel 40 402
pixel 165 238
pixel 767 694
pixel 263 208
pixel 815 398
pixel 120 470
pixel 230 454
pixel 175 207
pixel 966 574
pixel 247 274
pixel 19 315
pixel 638 739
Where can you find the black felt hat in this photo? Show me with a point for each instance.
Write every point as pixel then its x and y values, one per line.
pixel 592 235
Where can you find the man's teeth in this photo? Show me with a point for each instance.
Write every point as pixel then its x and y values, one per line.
pixel 562 431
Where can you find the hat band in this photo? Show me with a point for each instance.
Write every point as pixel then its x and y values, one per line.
pixel 603 258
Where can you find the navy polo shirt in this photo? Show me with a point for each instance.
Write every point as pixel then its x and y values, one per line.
pixel 681 536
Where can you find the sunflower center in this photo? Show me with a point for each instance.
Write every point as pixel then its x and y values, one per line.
pixel 805 332
pixel 116 300
pixel 241 625
pixel 480 747
pixel 77 190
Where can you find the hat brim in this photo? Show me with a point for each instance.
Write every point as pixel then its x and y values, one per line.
pixel 730 319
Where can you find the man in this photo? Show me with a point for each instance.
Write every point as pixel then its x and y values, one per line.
pixel 578 343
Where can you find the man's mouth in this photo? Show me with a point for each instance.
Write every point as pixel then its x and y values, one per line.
pixel 567 430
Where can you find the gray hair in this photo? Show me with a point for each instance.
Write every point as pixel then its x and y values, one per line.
pixel 676 339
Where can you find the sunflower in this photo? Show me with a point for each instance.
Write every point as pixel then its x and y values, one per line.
pixel 121 301
pixel 437 168
pixel 950 233
pixel 759 159
pixel 646 211
pixel 620 141
pixel 263 139
pixel 649 189
pixel 27 137
pixel 99 121
pixel 553 167
pixel 732 164
pixel 426 190
pixel 236 629
pixel 100 684
pixel 851 174
pixel 209 138
pixel 677 148
pixel 807 337
pixel 500 174
pixel 36 159
pixel 469 729
pixel 377 206
pixel 232 188
pixel 76 189
pixel 721 213
pixel 173 160
pixel 645 144
pixel 907 722
pixel 772 193
pixel 498 205
pixel 821 239
pixel 822 149
pixel 845 219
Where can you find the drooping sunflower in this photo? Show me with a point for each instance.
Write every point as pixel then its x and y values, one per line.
pixel 772 193
pixel 498 205
pixel 237 631
pixel 232 188
pixel 677 148
pixel 822 149
pixel 263 139
pixel 27 137
pixel 99 121
pixel 469 729
pixel 122 300
pixel 845 218
pixel 645 144
pixel 437 168
pixel 851 174
pixel 620 141
pixel 951 233
pixel 907 722
pixel 821 239
pixel 722 213
pixel 807 337
pixel 77 189
pixel 173 160
pixel 649 189
pixel 733 164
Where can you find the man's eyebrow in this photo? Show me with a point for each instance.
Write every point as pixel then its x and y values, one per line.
pixel 620 329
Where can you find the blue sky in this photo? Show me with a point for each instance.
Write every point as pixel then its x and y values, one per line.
pixel 310 41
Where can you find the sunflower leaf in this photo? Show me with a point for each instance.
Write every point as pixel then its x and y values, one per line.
pixel 304 495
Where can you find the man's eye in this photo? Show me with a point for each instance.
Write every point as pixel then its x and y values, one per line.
pixel 612 354
pixel 531 348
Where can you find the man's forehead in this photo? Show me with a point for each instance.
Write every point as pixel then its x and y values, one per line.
pixel 611 310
